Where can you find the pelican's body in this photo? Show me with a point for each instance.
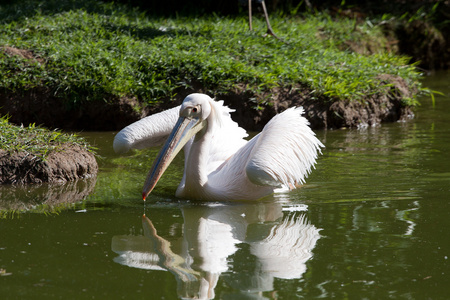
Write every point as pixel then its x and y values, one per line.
pixel 219 163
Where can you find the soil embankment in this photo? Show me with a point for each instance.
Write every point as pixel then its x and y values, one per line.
pixel 70 163
pixel 41 107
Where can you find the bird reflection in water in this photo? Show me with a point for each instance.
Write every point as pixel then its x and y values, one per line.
pixel 280 245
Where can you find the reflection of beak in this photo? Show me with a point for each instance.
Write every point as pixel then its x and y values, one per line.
pixel 184 130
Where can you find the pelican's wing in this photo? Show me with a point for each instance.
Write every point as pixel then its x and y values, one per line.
pixel 148 132
pixel 284 151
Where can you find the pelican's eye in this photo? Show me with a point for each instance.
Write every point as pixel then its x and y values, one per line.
pixel 191 111
pixel 196 110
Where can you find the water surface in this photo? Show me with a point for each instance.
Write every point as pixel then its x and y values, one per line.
pixel 372 222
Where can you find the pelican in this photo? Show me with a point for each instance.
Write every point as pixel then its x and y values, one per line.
pixel 220 165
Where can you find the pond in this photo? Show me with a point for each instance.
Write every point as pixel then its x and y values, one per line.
pixel 372 222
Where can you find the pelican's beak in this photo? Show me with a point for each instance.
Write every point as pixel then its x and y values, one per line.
pixel 184 130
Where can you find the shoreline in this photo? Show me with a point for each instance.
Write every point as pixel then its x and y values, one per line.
pixel 37 106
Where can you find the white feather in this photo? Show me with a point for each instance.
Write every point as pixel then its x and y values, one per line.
pixel 285 151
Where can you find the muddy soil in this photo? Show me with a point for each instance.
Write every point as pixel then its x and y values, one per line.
pixel 41 108
pixel 70 163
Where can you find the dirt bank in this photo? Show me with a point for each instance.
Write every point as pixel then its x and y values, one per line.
pixel 40 107
pixel 70 163
pixel 322 113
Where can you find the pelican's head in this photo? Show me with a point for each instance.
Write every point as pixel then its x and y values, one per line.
pixel 194 112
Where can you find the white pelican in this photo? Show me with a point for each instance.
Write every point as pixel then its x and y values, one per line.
pixel 219 163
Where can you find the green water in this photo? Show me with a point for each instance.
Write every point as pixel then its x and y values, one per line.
pixel 372 222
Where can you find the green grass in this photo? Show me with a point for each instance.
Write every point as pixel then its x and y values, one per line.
pixel 90 51
pixel 35 140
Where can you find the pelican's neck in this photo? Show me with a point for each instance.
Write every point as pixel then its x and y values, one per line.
pixel 197 161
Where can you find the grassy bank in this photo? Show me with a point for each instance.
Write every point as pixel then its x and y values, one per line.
pixel 35 141
pixel 87 50
pixel 34 155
